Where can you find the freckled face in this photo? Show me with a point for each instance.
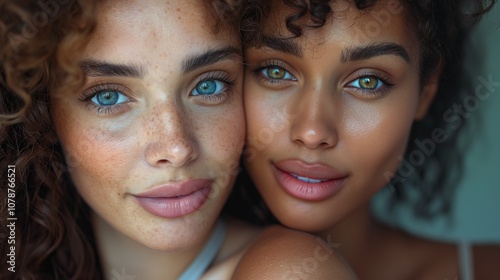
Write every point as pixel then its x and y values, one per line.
pixel 329 113
pixel 161 108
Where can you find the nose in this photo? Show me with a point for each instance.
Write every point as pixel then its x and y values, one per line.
pixel 171 140
pixel 313 123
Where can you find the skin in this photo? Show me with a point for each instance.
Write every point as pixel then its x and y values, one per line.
pixel 280 253
pixel 145 124
pixel 324 104
pixel 324 116
pixel 159 131
pixel 316 112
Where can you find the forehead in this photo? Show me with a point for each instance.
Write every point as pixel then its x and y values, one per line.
pixel 139 27
pixel 181 13
pixel 386 21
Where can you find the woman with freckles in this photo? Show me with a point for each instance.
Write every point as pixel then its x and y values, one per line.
pixel 124 121
pixel 336 92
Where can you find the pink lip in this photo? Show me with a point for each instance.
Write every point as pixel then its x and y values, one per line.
pixel 332 180
pixel 176 199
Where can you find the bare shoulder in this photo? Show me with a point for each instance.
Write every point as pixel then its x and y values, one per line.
pixel 281 253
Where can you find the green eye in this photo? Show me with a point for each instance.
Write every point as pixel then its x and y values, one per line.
pixel 276 73
pixel 368 82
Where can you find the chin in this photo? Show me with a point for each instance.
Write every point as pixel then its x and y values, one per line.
pixel 305 224
pixel 173 238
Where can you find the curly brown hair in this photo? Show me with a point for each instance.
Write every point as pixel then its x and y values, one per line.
pixel 442 27
pixel 39 43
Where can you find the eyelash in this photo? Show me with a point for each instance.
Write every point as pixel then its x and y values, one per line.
pixel 387 84
pixel 270 64
pixel 93 91
pixel 383 89
pixel 90 93
pixel 215 76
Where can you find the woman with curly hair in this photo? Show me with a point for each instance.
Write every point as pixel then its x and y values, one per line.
pixel 123 124
pixel 345 97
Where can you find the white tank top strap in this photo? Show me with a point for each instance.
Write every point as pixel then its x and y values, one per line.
pixel 206 256
pixel 466 260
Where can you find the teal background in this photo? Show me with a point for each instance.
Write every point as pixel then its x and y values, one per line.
pixel 476 214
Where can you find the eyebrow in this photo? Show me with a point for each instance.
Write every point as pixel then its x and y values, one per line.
pixel 96 68
pixel 283 45
pixel 373 50
pixel 207 58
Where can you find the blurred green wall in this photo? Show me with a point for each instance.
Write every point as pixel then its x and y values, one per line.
pixel 476 213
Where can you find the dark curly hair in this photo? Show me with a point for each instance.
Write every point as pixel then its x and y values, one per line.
pixel 442 27
pixel 39 41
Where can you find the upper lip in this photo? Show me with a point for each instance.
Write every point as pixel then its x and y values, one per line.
pixel 175 189
pixel 315 170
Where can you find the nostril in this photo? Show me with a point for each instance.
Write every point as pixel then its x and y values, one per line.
pixel 162 161
pixel 324 145
pixel 315 140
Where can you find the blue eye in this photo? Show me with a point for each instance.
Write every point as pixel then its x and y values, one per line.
pixel 107 98
pixel 276 73
pixel 367 83
pixel 208 87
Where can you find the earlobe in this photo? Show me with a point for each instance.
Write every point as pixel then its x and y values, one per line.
pixel 428 93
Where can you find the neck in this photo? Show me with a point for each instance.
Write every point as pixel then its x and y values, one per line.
pixel 354 234
pixel 122 256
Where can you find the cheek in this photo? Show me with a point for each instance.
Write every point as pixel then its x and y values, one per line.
pixel 221 142
pixel 97 158
pixel 267 120
pixel 222 135
pixel 377 137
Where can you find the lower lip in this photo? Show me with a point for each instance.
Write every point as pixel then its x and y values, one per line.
pixel 174 207
pixel 307 191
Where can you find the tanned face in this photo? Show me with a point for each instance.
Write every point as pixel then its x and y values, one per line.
pixel 329 113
